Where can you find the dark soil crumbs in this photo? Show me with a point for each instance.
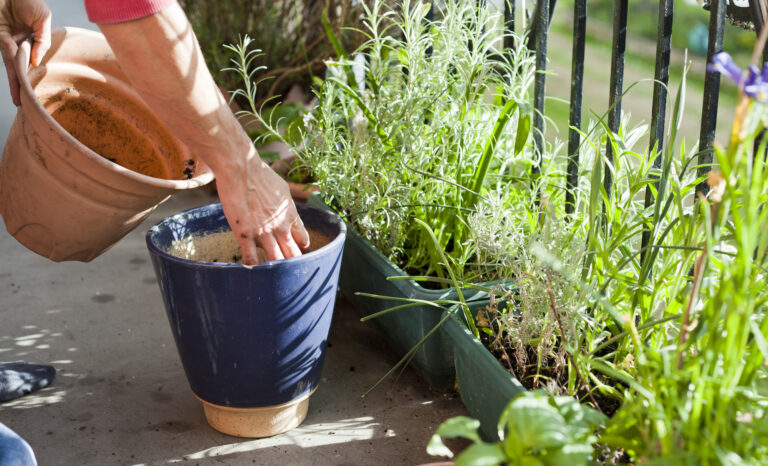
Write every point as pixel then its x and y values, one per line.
pixel 529 380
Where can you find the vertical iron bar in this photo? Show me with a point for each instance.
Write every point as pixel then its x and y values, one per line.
pixel 617 81
pixel 577 88
pixel 533 28
pixel 711 90
pixel 509 24
pixel 659 108
pixel 542 21
pixel 661 77
pixel 759 11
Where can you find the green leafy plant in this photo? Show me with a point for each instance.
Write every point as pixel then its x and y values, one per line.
pixel 701 398
pixel 417 128
pixel 288 118
pixel 676 330
pixel 535 428
pixel 576 279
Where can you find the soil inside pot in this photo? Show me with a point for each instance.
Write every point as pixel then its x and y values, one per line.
pixel 116 139
pixel 533 377
pixel 222 246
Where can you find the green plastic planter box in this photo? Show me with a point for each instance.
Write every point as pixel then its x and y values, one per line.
pixel 485 386
pixel 365 269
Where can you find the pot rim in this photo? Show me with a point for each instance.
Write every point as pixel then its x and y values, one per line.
pixel 340 238
pixel 22 66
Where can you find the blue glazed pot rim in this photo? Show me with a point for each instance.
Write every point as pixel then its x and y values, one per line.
pixel 229 265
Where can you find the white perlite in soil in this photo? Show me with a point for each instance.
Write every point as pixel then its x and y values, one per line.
pixel 222 247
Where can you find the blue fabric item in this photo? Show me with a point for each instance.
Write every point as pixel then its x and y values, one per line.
pixel 19 378
pixel 14 451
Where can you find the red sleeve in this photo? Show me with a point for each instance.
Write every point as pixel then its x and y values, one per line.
pixel 118 11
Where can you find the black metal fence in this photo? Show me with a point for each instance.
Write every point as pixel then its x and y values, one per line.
pixel 540 20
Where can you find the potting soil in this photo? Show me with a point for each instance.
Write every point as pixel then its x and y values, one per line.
pixel 222 246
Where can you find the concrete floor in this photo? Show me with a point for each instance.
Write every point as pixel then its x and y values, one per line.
pixel 121 397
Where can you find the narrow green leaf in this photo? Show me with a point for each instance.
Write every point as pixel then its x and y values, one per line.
pixel 446 263
pixel 762 344
pixel 478 178
pixel 366 111
pixel 409 355
pixel 524 124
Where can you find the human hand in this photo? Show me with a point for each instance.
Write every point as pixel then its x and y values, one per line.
pixel 258 205
pixel 19 19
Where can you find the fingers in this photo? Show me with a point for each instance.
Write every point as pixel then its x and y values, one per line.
pixel 249 249
pixel 41 33
pixel 300 234
pixel 271 248
pixel 42 39
pixel 288 246
pixel 295 239
pixel 276 246
pixel 259 208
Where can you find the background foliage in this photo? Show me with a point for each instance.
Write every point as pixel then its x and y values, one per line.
pixel 289 32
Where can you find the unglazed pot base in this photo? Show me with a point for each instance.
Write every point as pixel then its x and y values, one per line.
pixel 257 422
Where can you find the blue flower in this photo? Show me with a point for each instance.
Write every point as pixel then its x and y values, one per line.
pixel 753 82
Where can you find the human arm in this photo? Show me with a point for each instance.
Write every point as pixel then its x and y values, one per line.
pixel 19 19
pixel 161 57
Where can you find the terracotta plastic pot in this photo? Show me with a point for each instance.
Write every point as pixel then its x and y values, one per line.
pixel 252 340
pixel 86 160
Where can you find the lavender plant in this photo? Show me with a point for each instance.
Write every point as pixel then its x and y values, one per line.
pixel 577 278
pixel 435 111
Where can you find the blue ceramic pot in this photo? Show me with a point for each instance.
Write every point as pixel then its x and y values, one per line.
pixel 249 338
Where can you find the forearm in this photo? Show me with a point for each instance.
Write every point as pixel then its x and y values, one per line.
pixel 162 59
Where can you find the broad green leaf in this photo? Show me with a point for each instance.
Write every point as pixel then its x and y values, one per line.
pixel 578 415
pixel 571 454
pixel 481 454
pixel 460 426
pixel 531 422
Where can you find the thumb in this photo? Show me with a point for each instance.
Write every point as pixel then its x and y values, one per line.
pixel 8 49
